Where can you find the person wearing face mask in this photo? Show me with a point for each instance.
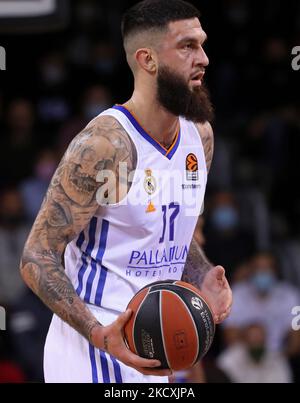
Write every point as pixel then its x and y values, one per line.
pixel 226 240
pixel 264 281
pixel 266 298
pixel 34 188
pixel 249 360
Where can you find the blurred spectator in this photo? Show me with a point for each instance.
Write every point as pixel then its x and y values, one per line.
pixel 53 70
pixel 249 361
pixel 289 254
pixel 254 216
pixel 220 175
pixel 226 242
pixel 13 234
pixel 34 188
pixel 17 144
pixel 53 81
pixel 103 58
pixel 266 299
pixel 96 99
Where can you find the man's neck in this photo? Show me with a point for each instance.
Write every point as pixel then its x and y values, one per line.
pixel 159 123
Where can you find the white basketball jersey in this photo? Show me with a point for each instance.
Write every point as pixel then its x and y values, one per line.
pixel 146 236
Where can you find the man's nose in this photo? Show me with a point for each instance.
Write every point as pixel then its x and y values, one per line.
pixel 202 58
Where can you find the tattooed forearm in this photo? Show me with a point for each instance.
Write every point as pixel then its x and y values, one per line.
pixel 55 289
pixel 196 266
pixel 69 205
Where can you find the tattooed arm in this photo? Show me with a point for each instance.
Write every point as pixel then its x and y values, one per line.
pixel 210 279
pixel 198 271
pixel 68 206
pixel 196 265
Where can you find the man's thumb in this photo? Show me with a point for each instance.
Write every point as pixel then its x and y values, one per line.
pixel 124 318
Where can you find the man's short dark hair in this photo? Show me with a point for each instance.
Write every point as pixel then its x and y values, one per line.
pixel 152 14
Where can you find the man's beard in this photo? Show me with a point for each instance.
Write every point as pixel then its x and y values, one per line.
pixel 174 94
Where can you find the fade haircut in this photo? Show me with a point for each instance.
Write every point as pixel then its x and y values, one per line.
pixel 155 15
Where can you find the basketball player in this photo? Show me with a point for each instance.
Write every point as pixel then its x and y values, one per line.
pixel 123 204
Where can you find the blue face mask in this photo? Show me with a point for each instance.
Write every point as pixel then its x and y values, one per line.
pixel 263 282
pixel 225 218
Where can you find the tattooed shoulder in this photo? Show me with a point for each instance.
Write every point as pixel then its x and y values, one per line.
pixel 207 137
pixel 98 149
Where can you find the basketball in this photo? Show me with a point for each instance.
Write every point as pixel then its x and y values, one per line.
pixel 171 322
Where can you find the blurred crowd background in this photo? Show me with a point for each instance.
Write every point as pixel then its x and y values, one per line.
pixel 57 81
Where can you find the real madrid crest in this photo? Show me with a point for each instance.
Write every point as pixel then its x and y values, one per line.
pixel 150 187
pixel 149 182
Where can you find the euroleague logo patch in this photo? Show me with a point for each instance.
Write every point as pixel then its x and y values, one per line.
pixel 191 166
pixel 197 303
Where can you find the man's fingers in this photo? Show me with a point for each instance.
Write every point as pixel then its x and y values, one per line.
pixel 144 365
pixel 134 360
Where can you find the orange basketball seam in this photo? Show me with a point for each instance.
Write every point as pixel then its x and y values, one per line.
pixel 195 327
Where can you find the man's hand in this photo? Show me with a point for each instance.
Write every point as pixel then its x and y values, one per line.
pixel 217 292
pixel 110 339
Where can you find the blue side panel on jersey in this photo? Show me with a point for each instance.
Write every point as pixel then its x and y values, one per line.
pixel 117 370
pixel 89 248
pixel 92 233
pixel 104 366
pixel 90 280
pixel 92 274
pixel 93 363
pixel 100 286
pixel 81 274
pixel 80 240
pixel 100 253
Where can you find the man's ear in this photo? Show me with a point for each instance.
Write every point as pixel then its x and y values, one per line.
pixel 145 59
